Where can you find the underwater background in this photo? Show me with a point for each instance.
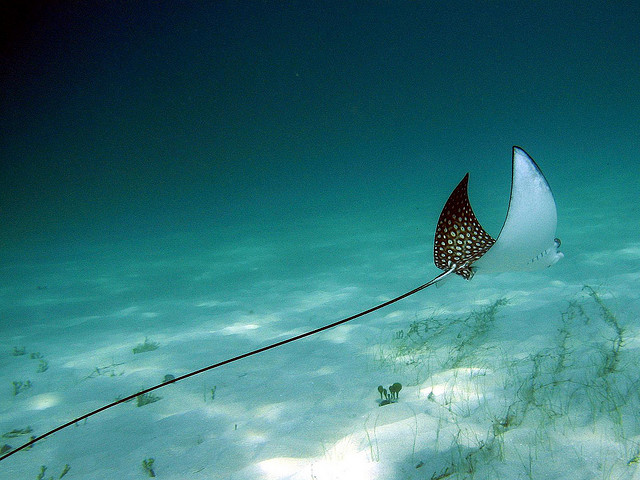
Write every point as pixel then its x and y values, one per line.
pixel 182 182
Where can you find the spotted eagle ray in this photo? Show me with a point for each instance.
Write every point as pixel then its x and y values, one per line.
pixel 461 246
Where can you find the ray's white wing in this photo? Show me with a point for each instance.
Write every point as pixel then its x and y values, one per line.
pixel 527 239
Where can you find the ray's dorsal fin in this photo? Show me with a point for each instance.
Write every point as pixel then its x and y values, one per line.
pixel 460 240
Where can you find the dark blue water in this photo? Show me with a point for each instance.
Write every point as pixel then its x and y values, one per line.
pixel 123 119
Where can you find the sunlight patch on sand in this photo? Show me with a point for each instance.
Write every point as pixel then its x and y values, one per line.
pixel 44 401
pixel 271 412
pixel 459 383
pixel 343 461
pixel 238 328
pixel 326 370
pixel 209 303
pixel 395 314
pixel 631 252
pixel 340 335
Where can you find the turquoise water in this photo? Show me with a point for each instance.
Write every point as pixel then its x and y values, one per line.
pixel 217 177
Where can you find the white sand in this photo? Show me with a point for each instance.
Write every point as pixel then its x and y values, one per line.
pixel 512 400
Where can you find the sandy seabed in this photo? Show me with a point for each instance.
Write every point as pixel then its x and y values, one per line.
pixel 511 376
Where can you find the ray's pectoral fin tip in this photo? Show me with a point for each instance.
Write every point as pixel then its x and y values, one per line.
pixel 526 241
